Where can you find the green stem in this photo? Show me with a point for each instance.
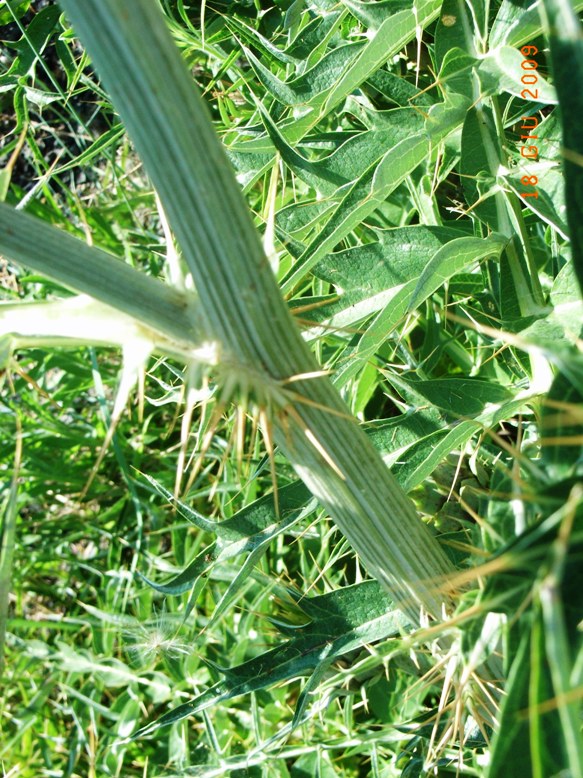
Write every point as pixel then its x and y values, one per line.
pixel 60 256
pixel 245 312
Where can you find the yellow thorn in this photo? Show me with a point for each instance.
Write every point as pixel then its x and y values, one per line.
pixel 266 428
pixel 322 451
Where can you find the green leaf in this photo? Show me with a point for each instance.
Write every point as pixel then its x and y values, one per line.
pixel 412 465
pixel 445 118
pixel 511 752
pixel 456 73
pixel 515 24
pixel 452 257
pixel 352 158
pixel 373 15
pixel 455 30
pixel 254 38
pixel 340 622
pixel 5 178
pixel 299 220
pixel 8 521
pixel 519 23
pixel 307 87
pixel 367 277
pixel 398 90
pixel 539 727
pixel 567 303
pixel 480 163
pixel 397 29
pixel 339 73
pixel 314 36
pixel 15 9
pixel 249 531
pixel 249 165
pixel 316 762
pixel 501 70
pixel 31 45
pixel 364 197
pixel 461 397
pixel 458 254
pixel 562 430
pixel 421 459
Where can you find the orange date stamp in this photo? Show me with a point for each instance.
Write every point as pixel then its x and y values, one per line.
pixel 529 150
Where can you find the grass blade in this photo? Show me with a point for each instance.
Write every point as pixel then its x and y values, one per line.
pixel 7 538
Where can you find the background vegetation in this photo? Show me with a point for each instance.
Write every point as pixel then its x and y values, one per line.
pixel 378 145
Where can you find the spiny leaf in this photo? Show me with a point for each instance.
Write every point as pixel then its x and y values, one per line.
pixel 352 158
pixel 249 530
pixel 314 36
pixel 398 301
pixel 456 255
pixel 517 24
pixel 341 621
pixel 361 199
pixel 397 30
pixel 460 396
pixel 307 87
pixel 372 15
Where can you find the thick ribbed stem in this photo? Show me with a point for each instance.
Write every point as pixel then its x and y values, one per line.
pixel 169 124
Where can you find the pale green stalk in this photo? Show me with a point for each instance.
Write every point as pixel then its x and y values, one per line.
pixel 7 537
pixel 256 335
pixel 161 309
